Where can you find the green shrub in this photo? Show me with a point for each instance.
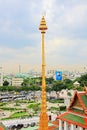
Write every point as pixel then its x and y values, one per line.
pixel 10 109
pixel 62 108
pixel 54 108
pixel 34 106
pixel 56 101
pixel 3 103
pixel 69 94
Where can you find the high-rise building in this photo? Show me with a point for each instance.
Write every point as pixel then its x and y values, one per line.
pixel 1 77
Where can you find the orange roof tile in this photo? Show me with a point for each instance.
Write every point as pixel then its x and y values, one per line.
pixel 52 127
pixel 55 122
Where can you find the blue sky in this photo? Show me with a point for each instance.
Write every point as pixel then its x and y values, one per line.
pixel 20 39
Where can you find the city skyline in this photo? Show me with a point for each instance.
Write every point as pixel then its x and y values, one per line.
pixel 66 39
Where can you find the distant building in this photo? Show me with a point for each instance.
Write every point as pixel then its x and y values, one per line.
pixel 76 84
pixel 64 76
pixel 17 81
pixel 1 77
pixel 50 73
pixel 75 118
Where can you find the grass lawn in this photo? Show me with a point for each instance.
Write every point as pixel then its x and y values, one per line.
pixel 10 109
pixel 18 114
pixel 56 101
pixel 21 114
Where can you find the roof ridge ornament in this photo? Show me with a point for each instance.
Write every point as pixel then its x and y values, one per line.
pixel 85 88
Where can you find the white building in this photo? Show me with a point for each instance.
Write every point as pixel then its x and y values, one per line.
pixel 76 84
pixel 17 81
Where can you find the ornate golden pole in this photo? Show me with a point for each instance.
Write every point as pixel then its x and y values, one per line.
pixel 43 114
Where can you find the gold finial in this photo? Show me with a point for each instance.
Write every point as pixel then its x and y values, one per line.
pixel 85 88
pixel 43 26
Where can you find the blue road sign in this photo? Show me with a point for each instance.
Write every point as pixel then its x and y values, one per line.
pixel 58 75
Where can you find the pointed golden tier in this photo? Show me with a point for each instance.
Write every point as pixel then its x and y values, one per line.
pixel 43 26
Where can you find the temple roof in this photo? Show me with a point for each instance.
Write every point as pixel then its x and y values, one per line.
pixel 77 110
pixel 73 118
pixel 79 102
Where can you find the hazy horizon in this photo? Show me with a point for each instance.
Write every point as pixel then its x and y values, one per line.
pixel 25 68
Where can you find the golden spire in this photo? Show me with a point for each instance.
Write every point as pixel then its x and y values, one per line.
pixel 43 114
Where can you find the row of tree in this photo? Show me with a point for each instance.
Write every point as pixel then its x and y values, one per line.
pixel 34 84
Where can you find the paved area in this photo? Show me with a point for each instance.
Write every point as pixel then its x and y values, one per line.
pixel 7 123
pixel 35 127
pixel 20 121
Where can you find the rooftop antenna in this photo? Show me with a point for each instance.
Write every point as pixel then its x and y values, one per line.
pixel 19 68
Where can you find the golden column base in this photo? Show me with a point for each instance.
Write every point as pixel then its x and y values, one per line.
pixel 43 121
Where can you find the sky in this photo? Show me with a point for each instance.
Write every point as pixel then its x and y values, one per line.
pixel 20 38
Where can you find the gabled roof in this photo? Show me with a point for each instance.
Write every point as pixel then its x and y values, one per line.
pixel 77 110
pixel 79 100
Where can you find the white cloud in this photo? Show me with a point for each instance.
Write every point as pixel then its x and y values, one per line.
pixel 66 21
pixel 22 55
pixel 69 20
pixel 48 8
pixel 76 16
pixel 66 51
pixel 59 52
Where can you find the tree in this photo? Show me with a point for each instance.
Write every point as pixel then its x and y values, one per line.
pixel 58 86
pixel 82 80
pixel 67 81
pixel 34 88
pixel 49 80
pixel 79 88
pixel 6 83
pixel 37 81
pixel 24 88
pixel 48 89
pixel 25 82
